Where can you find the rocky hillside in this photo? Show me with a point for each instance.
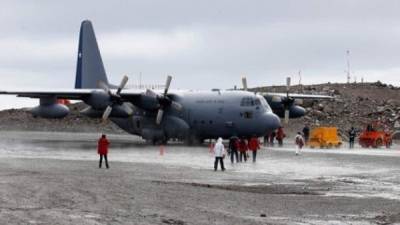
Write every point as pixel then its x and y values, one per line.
pixel 22 119
pixel 354 105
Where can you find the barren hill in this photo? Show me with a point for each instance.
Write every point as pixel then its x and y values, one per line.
pixel 354 105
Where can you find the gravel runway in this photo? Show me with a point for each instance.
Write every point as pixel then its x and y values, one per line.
pixel 53 178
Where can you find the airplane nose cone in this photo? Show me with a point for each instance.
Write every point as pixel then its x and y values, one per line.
pixel 272 121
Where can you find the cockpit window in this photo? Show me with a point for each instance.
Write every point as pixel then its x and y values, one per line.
pixel 247 101
pixel 255 101
pixel 264 103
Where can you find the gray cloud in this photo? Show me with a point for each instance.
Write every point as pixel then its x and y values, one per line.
pixel 203 44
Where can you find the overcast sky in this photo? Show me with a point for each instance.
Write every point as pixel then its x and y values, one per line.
pixel 203 44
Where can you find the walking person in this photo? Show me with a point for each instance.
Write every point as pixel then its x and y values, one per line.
pixel 254 145
pixel 352 137
pixel 102 149
pixel 266 139
pixel 306 133
pixel 219 153
pixel 299 142
pixel 280 135
pixel 234 147
pixel 243 150
pixel 271 138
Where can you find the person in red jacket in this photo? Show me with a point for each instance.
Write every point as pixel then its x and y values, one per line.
pixel 242 150
pixel 280 135
pixel 254 145
pixel 102 149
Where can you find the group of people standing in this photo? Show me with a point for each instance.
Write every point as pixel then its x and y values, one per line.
pixel 277 135
pixel 237 149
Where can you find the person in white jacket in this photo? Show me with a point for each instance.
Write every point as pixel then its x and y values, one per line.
pixel 219 153
pixel 299 141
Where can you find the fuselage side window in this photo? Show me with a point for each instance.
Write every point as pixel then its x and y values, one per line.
pixel 248 115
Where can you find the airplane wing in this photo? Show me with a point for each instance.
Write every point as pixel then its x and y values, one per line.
pixel 297 96
pixel 72 94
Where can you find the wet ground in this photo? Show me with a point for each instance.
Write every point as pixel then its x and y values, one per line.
pixel 52 178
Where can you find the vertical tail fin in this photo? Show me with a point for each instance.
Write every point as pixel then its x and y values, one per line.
pixel 89 68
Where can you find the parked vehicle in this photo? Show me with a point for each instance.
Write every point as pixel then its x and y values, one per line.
pixel 375 136
pixel 324 137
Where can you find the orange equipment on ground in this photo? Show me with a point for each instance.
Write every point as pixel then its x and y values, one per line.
pixel 375 136
pixel 324 137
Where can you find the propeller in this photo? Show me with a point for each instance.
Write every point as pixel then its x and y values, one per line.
pixel 164 101
pixel 244 83
pixel 288 101
pixel 116 99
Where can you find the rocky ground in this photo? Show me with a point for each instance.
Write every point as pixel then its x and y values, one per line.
pixel 48 178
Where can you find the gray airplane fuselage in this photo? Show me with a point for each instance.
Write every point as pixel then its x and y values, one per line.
pixel 208 114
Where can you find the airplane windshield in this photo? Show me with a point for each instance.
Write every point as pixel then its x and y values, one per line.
pixel 264 103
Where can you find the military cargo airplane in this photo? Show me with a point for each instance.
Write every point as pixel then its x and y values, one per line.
pixel 155 116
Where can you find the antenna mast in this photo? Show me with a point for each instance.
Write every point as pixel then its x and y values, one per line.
pixel 348 66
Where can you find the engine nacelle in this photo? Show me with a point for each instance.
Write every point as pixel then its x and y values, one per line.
pixel 98 100
pixel 117 111
pixel 49 108
pixel 52 111
pixel 175 127
pixel 148 103
pixel 296 111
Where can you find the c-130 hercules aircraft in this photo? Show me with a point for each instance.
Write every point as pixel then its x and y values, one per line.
pixel 155 116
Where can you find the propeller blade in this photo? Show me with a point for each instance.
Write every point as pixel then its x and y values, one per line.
pixel 103 86
pixel 107 112
pixel 287 116
pixel 287 86
pixel 176 106
pixel 124 81
pixel 151 93
pixel 244 83
pixel 288 79
pixel 167 84
pixel 159 117
pixel 276 98
pixel 127 109
pixel 298 101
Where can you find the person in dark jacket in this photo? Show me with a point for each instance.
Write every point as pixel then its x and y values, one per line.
pixel 234 147
pixel 102 149
pixel 271 138
pixel 254 145
pixel 352 137
pixel 306 133
pixel 243 150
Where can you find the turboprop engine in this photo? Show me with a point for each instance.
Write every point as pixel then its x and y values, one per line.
pixel 49 108
pixel 104 103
